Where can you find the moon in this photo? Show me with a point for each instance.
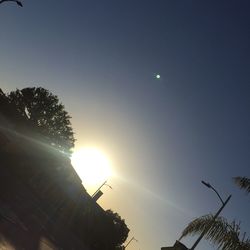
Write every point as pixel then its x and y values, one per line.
pixel 92 166
pixel 157 76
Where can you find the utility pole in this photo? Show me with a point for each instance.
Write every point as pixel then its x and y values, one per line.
pixel 133 238
pixel 209 226
pixel 98 193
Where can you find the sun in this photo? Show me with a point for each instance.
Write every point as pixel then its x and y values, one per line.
pixel 92 166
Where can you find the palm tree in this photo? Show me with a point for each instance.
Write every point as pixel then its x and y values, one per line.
pixel 224 234
pixel 18 2
pixel 243 183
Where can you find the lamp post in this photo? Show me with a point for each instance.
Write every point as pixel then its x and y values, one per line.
pixel 210 186
pixel 103 184
pixel 133 238
pixel 224 203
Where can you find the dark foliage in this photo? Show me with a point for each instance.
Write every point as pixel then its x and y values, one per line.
pixel 101 230
pixel 243 183
pixel 225 235
pixel 44 179
pixel 45 114
pixel 118 228
pixel 19 3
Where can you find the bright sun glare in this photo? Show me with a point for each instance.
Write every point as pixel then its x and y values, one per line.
pixel 92 166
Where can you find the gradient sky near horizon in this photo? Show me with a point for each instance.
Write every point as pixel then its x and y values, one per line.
pixel 164 135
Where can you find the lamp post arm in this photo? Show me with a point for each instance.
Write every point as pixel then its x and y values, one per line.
pixel 213 220
pixel 108 186
pixel 217 194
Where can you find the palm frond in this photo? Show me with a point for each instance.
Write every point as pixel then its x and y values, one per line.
pixel 225 235
pixel 243 183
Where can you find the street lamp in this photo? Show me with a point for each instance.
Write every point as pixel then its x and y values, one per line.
pixel 98 193
pixel 211 187
pixel 133 238
pixel 224 203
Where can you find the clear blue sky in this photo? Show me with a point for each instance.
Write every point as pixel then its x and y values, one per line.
pixel 163 136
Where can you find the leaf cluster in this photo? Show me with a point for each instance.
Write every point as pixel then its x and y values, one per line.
pixel 243 183
pixel 118 228
pixel 226 235
pixel 42 112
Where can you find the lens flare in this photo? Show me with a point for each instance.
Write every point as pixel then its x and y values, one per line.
pixel 92 166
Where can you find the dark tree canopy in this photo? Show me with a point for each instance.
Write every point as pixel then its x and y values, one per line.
pixel 46 115
pixel 118 228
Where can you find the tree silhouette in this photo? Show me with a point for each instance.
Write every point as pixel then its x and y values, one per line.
pixel 47 116
pixel 226 235
pixel 16 1
pixel 118 229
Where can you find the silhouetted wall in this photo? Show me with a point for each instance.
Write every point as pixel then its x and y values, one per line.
pixel 40 185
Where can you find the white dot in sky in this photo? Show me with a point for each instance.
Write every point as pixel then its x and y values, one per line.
pixel 158 76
